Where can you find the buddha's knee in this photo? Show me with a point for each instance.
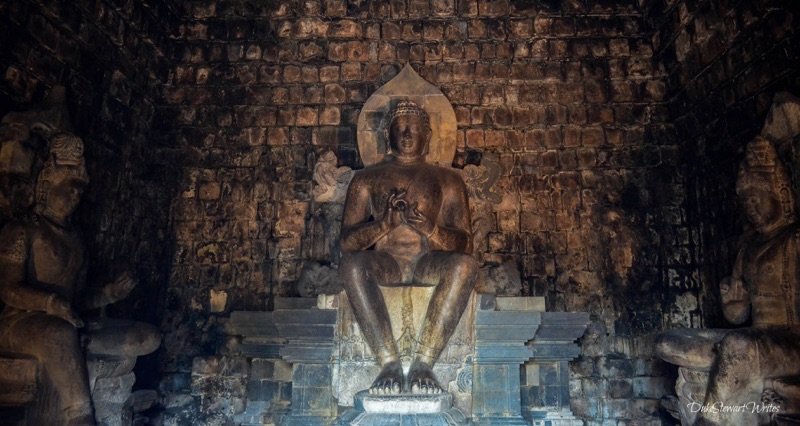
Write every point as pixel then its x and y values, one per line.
pixel 351 265
pixel 354 266
pixel 462 265
pixel 737 348
pixel 145 337
pixel 127 339
pixel 51 338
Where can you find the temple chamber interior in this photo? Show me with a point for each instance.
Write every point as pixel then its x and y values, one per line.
pixel 401 212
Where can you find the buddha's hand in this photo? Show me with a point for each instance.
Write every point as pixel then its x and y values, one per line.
pixel 120 288
pixel 735 300
pixel 731 290
pixel 395 206
pixel 59 307
pixel 419 221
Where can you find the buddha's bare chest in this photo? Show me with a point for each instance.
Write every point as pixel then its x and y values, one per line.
pixel 420 189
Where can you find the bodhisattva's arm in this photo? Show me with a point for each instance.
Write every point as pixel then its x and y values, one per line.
pixel 110 293
pixel 358 232
pixel 734 295
pixel 453 230
pixel 13 289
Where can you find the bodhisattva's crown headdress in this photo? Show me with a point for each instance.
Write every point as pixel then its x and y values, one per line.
pixel 64 162
pixel 763 170
pixel 407 107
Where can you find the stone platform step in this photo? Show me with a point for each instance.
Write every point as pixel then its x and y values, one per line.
pixel 403 410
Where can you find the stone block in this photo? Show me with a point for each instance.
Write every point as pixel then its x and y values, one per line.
pixel 307 116
pixel 330 115
pixel 351 71
pixel 652 387
pixel 334 94
pixel 262 390
pixel 617 408
pixel 521 304
pixel 18 380
pixel 614 367
pixel 621 388
pixel 345 28
pixel 210 191
pixel 261 369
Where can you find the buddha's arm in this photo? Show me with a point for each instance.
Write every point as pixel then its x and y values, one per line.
pixel 734 295
pixel 358 232
pixel 454 232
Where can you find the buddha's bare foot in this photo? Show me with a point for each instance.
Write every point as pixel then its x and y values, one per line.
pixel 389 380
pixel 421 379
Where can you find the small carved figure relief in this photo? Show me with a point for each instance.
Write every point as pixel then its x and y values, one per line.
pixel 330 181
pixel 481 180
pixel 502 280
pixel 316 279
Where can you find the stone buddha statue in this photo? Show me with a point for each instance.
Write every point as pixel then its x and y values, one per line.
pixel 764 287
pixel 407 222
pixel 42 263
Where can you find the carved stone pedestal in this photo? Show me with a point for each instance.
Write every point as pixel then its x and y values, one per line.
pixel 480 368
pixel 552 349
pixel 310 335
pixel 500 351
pixel 389 410
pixel 111 380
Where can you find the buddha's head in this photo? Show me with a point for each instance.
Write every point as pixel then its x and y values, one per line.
pixel 60 183
pixel 408 131
pixel 764 188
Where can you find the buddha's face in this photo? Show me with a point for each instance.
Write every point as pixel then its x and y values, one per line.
pixel 762 208
pixel 408 136
pixel 63 198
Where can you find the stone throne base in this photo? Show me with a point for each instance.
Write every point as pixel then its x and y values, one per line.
pixel 401 410
pixel 330 364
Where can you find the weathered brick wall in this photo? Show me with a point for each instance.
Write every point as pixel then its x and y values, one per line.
pixel 568 99
pixel 111 56
pixel 725 61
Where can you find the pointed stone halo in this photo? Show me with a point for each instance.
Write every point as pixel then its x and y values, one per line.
pixel 407 85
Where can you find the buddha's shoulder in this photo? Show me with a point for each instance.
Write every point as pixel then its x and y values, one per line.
pixel 370 172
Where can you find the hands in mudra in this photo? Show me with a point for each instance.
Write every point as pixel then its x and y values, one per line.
pixel 400 211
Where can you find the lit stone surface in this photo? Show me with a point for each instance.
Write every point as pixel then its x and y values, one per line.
pixel 404 403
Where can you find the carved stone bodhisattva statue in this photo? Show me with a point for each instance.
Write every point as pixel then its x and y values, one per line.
pixel 41 276
pixel 406 221
pixel 764 287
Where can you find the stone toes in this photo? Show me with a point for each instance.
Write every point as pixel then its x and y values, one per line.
pixel 415 388
pixel 396 387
